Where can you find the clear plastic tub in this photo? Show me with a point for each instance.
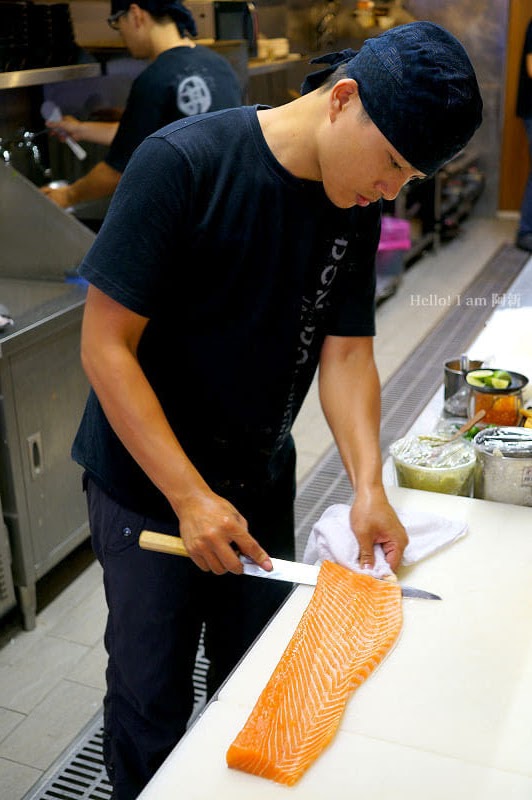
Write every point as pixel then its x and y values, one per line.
pixel 425 462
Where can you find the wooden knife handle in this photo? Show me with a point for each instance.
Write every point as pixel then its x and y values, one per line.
pixel 162 543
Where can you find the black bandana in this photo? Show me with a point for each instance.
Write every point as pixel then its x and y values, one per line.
pixel 172 8
pixel 419 87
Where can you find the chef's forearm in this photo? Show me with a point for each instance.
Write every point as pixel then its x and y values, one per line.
pixel 350 398
pixel 100 181
pixel 98 132
pixel 91 130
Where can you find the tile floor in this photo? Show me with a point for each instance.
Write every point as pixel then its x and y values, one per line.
pixel 52 678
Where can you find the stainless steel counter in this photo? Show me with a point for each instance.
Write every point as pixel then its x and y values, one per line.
pixel 33 303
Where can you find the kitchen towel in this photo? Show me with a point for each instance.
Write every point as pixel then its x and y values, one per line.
pixel 332 539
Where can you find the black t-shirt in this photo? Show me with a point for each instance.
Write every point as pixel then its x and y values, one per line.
pixel 182 81
pixel 524 91
pixel 242 270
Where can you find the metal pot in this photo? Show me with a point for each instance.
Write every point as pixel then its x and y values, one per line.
pixel 504 465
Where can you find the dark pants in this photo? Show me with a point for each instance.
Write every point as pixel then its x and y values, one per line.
pixel 157 605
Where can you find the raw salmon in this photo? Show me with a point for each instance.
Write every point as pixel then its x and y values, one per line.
pixel 350 624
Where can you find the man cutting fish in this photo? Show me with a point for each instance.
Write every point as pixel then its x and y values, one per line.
pixel 236 259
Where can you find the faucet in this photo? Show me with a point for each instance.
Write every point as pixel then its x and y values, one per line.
pixel 25 140
pixel 4 151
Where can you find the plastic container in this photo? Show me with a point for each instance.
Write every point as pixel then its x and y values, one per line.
pixel 449 469
pixel 395 234
pixel 504 465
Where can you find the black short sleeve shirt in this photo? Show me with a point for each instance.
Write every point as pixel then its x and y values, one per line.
pixel 181 82
pixel 242 270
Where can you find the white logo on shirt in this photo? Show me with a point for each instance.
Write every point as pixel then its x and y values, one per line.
pixel 193 96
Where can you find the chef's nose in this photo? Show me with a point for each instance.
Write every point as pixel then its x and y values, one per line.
pixel 390 188
pixel 389 194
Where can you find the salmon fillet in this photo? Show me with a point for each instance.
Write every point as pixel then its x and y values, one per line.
pixel 350 624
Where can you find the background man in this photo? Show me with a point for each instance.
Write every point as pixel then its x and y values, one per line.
pixel 183 79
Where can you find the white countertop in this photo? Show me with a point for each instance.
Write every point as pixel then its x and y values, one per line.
pixel 449 712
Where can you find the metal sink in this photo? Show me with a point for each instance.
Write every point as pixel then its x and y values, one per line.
pixel 39 239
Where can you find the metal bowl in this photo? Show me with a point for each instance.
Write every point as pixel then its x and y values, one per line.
pixel 504 465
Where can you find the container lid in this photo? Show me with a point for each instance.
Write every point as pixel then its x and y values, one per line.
pixel 432 452
pixel 505 441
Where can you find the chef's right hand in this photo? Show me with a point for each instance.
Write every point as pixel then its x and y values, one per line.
pixel 214 532
pixel 66 126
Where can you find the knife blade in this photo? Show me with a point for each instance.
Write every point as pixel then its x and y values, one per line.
pixel 291 571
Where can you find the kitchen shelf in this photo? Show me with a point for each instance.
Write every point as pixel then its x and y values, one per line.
pixel 44 75
pixel 263 66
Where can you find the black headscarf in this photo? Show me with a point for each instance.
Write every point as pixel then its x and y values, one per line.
pixel 181 15
pixel 418 86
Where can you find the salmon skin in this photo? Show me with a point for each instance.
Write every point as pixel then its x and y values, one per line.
pixel 350 624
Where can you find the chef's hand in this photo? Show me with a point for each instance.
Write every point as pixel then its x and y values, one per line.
pixel 214 532
pixel 60 196
pixel 375 522
pixel 66 126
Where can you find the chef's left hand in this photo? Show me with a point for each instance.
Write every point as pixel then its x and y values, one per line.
pixel 375 522
pixel 60 196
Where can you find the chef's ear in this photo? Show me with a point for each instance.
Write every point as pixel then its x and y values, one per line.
pixel 343 93
pixel 135 13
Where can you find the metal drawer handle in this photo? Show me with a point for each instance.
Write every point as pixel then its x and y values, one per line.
pixel 35 453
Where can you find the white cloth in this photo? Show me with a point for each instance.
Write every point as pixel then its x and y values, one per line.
pixel 332 539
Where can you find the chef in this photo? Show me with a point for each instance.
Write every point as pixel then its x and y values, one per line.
pixel 237 258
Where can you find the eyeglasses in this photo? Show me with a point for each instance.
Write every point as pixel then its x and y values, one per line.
pixel 112 21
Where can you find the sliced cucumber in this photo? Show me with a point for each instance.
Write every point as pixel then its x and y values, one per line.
pixel 502 375
pixel 480 373
pixel 498 379
pixel 500 383
pixel 480 377
pixel 475 381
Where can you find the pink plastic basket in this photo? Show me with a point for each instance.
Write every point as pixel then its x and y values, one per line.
pixel 395 234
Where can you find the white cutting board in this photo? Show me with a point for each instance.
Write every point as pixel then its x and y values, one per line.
pixel 447 714
pixel 352 767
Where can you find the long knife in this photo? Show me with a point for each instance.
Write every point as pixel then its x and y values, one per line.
pixel 291 571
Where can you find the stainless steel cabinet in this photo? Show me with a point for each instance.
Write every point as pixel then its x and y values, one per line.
pixel 43 391
pixel 42 386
